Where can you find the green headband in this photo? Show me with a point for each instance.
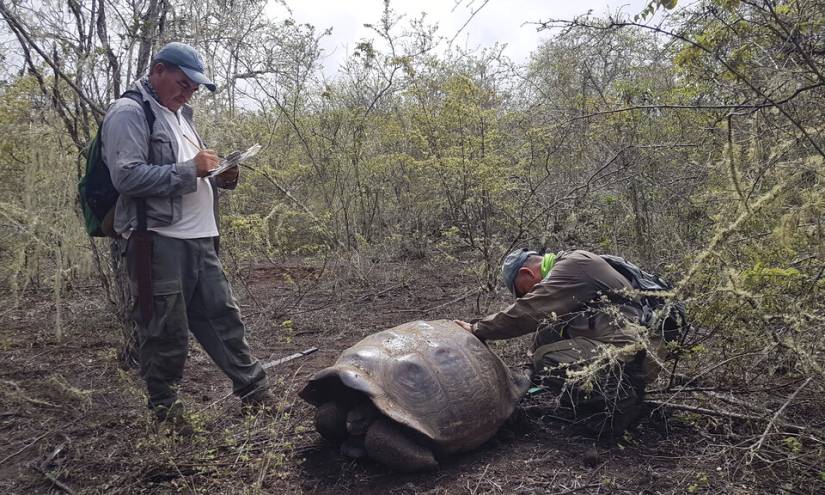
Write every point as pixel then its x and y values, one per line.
pixel 547 264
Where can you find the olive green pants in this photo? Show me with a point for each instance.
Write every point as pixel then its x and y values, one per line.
pixel 191 293
pixel 613 399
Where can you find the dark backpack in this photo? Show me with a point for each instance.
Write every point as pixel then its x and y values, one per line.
pixel 664 316
pixel 98 195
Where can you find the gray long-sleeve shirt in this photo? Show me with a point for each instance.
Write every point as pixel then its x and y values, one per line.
pixel 145 166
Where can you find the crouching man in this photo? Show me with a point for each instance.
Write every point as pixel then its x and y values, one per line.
pixel 588 344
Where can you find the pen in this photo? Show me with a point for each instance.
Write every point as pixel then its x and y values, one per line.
pixel 194 143
pixel 211 172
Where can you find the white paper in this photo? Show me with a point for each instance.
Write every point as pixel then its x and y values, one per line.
pixel 233 159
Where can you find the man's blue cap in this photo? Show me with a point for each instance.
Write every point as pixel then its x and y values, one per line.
pixel 188 60
pixel 512 263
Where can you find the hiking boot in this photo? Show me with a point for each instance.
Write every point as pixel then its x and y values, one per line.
pixel 619 408
pixel 629 415
pixel 174 418
pixel 259 400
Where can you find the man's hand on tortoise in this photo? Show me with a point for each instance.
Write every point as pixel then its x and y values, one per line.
pixel 463 324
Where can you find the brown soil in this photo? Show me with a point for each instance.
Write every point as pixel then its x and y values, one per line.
pixel 73 420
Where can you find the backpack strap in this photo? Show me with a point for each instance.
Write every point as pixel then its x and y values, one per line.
pixel 150 119
pixel 137 96
pixel 142 237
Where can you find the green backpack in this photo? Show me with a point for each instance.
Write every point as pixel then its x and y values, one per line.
pixel 98 195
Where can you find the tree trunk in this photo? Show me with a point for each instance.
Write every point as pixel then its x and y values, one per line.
pixel 147 34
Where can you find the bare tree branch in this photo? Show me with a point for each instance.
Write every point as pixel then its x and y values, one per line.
pixel 14 22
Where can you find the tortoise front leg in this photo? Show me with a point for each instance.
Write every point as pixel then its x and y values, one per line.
pixel 386 442
pixel 331 421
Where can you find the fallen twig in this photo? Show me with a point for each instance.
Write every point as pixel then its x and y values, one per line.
pixel 708 370
pixel 723 414
pixel 54 480
pixel 453 301
pixel 26 398
pixel 583 487
pixel 41 437
pixel 381 292
pixel 268 365
pixel 730 399
pixel 776 415
pixel 43 466
pixel 480 479
pixel 344 302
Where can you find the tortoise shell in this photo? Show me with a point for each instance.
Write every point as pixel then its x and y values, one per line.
pixel 433 377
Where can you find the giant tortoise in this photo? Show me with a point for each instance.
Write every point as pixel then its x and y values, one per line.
pixel 413 394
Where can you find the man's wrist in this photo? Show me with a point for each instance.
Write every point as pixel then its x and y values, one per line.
pixel 188 173
pixel 474 329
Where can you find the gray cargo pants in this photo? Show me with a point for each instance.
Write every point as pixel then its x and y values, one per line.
pixel 190 292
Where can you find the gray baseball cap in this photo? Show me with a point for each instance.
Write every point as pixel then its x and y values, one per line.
pixel 512 263
pixel 188 60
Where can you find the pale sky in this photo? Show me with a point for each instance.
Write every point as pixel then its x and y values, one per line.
pixel 500 21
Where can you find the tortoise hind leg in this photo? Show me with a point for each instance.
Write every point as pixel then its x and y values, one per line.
pixel 389 444
pixel 331 421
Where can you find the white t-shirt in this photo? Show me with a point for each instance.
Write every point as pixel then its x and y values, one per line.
pixel 197 213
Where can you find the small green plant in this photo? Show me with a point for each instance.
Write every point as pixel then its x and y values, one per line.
pixel 700 481
pixel 792 444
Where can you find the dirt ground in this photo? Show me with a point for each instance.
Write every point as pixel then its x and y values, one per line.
pixel 73 420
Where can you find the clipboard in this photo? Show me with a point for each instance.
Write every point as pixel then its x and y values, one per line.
pixel 233 159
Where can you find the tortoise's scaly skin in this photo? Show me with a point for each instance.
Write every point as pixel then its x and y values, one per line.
pixel 433 377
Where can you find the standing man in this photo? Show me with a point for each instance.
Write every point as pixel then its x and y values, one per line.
pixel 578 309
pixel 167 211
